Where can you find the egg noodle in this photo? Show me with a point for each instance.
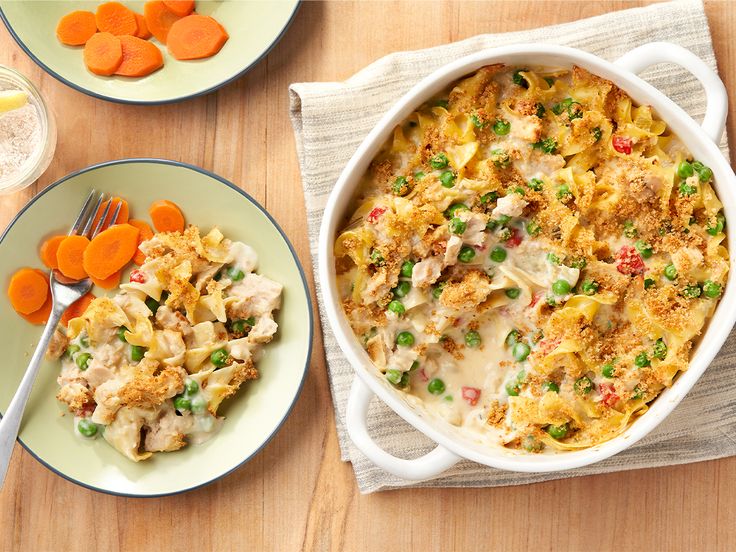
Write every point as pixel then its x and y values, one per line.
pixel 532 257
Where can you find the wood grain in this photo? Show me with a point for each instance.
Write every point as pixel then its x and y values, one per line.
pixel 297 494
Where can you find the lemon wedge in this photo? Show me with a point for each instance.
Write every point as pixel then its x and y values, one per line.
pixel 12 99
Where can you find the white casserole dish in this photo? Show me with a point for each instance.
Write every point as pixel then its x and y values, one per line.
pixel 452 445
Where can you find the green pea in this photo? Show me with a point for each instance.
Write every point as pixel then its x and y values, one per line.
pixel 477 121
pixel 578 262
pixel 548 145
pixel 235 274
pixel 685 170
pixel 551 301
pixel 583 385
pixel 182 403
pixel 121 334
pixel 558 108
pixel 691 291
pixel 241 327
pixel 439 161
pixel 397 307
pixel 447 178
pixel 670 272
pixel 407 269
pixel 82 360
pixel 152 305
pixel 548 386
pixel 402 289
pixel 498 254
pixel 512 337
pixel 597 133
pixel 500 158
pixel 553 259
pixel 466 254
pixel 401 186
pixel 513 388
pixel 638 392
pixel 704 173
pixel 557 431
pixel 414 366
pixel 394 376
pixel 457 226
pixel 442 103
pixel 490 197
pixel 518 190
pixel 472 339
pixel 501 127
pixel 191 387
pixel 71 350
pixel 84 340
pixel 630 230
pixel 608 370
pixel 561 287
pixel 436 386
pixel 536 184
pixel 137 353
pixel 219 357
pixel 531 444
pixel 644 249
pixel 642 360
pixel 718 227
pixel 198 404
pixel 418 175
pixel 711 290
pixel 660 349
pixel 589 287
pixel 405 339
pixel 454 208
pixel 649 283
pixel 521 351
pixel 513 293
pixel 87 427
pixel 687 190
pixel 437 290
pixel 563 192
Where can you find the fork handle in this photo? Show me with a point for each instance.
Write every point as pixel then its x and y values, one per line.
pixel 10 422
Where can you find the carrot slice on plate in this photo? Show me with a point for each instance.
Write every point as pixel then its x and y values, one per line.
pixel 159 19
pixel 70 257
pixel 122 215
pixel 103 54
pixel 140 57
pixel 48 251
pixel 111 282
pixel 144 234
pixel 114 18
pixel 196 37
pixel 166 216
pixel 28 290
pixel 143 31
pixel 77 308
pixel 76 28
pixel 40 316
pixel 110 251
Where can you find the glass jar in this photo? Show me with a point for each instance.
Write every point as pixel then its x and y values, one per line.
pixel 39 159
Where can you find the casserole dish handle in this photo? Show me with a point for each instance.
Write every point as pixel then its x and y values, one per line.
pixel 425 467
pixel 654 53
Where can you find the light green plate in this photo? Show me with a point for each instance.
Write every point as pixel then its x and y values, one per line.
pixel 254 26
pixel 253 415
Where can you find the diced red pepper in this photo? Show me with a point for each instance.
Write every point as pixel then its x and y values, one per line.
pixel 515 238
pixel 138 276
pixel 622 144
pixel 423 375
pixel 608 394
pixel 536 298
pixel 471 395
pixel 629 262
pixel 546 346
pixel 375 214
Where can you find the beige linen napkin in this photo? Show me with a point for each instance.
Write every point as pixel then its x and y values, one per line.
pixel 331 119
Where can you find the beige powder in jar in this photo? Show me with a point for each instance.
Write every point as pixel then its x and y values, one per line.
pixel 20 140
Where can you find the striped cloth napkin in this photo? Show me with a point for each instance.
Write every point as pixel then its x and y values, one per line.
pixel 331 119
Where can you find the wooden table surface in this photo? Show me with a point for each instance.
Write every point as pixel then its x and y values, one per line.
pixel 297 494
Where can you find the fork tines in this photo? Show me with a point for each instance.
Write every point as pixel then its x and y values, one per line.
pixel 86 219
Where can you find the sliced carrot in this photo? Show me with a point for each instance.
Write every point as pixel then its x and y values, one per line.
pixel 122 215
pixel 110 251
pixel 48 251
pixel 159 19
pixel 196 37
pixel 76 28
pixel 114 18
pixel 77 308
pixel 28 290
pixel 70 256
pixel 40 316
pixel 166 216
pixel 103 54
pixel 144 234
pixel 180 7
pixel 111 282
pixel 143 31
pixel 140 57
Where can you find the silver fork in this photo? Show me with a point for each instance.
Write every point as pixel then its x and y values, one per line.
pixel 64 292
